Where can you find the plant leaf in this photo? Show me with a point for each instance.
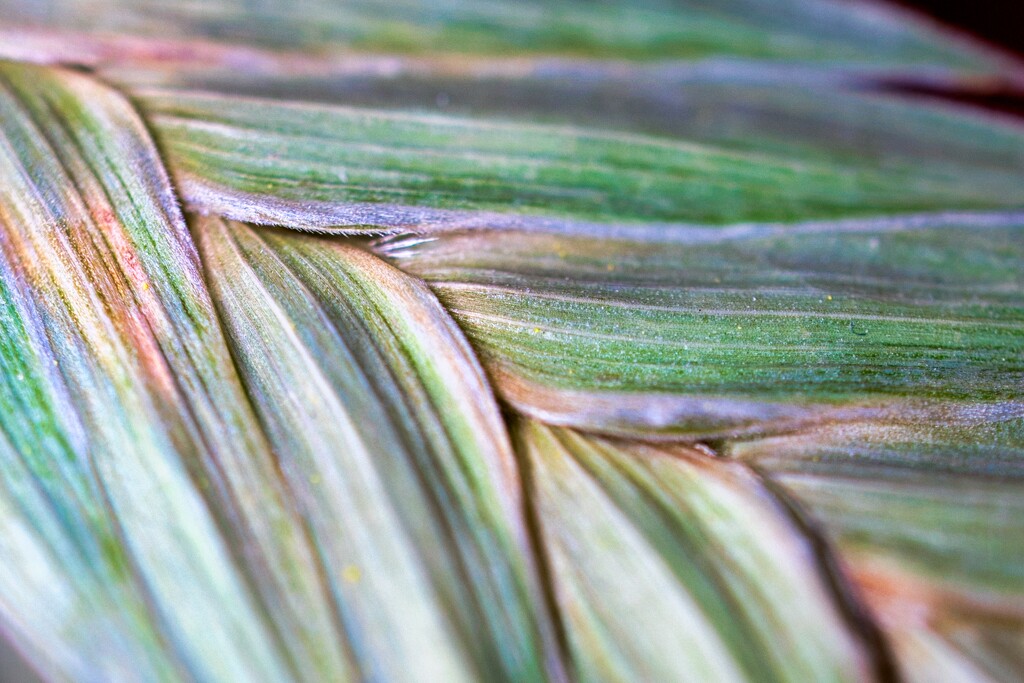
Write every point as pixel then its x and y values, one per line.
pixel 146 531
pixel 716 580
pixel 956 647
pixel 799 30
pixel 818 113
pixel 740 329
pixel 930 518
pixel 940 501
pixel 393 443
pixel 321 167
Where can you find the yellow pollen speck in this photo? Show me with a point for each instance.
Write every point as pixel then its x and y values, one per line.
pixel 315 479
pixel 535 330
pixel 351 573
pixel 145 286
pixel 829 297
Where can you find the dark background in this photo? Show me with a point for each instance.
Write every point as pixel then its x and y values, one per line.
pixel 1000 23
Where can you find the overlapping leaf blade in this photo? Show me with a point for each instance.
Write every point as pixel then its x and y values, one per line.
pixel 799 30
pixel 745 329
pixel 965 645
pixel 723 247
pixel 942 501
pixel 322 167
pixel 394 446
pixel 53 529
pixel 929 518
pixel 669 565
pixel 816 113
pixel 143 513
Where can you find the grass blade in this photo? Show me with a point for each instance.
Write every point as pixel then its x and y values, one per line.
pixel 740 329
pixel 798 30
pixel 670 565
pixel 940 500
pixel 395 449
pixel 819 113
pixel 160 542
pixel 321 167
pixel 929 518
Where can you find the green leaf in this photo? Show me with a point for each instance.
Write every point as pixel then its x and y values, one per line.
pixel 145 530
pixel 322 167
pixel 668 564
pixel 817 113
pixel 742 329
pixel 756 247
pixel 800 30
pixel 393 444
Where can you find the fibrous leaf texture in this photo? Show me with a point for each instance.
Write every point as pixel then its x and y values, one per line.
pixel 473 341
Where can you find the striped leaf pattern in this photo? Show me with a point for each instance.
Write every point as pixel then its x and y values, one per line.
pixel 929 520
pixel 395 451
pixel 128 438
pixel 665 535
pixel 320 167
pixel 469 341
pixel 742 329
pixel 798 30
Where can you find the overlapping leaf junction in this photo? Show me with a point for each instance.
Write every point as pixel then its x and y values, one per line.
pixel 647 343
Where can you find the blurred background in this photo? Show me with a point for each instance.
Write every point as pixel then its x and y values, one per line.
pixel 997 22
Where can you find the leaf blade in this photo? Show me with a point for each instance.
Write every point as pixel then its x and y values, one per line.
pixel 349 169
pixel 761 328
pixel 124 371
pixel 390 378
pixel 926 516
pixel 797 30
pixel 647 531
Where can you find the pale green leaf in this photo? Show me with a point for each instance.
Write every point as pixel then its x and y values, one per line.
pixel 393 445
pixel 145 531
pixel 741 329
pixel 974 647
pixel 326 167
pixel 667 219
pixel 945 502
pixel 930 517
pixel 934 638
pixel 668 564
